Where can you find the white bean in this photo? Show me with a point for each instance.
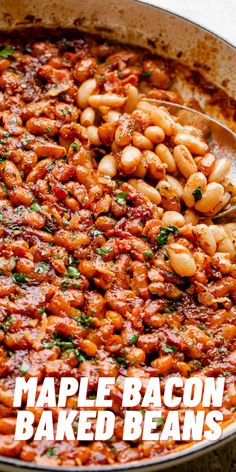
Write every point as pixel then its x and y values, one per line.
pixel 92 132
pixel 155 134
pixel 161 117
pixel 181 260
pixel 191 217
pixel 175 184
pixel 166 157
pixel 87 117
pixel 184 161
pixel 132 99
pixel 196 182
pixel 147 190
pixel 173 218
pixel 210 197
pixel 107 99
pixel 85 90
pixel 156 168
pixel 107 165
pixel 141 142
pixel 130 159
pixel 195 144
pixel 206 239
pixel 220 170
pixel 223 241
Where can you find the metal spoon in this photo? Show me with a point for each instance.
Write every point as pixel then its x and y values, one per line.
pixel 220 138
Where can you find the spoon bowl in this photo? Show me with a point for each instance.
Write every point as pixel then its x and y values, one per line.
pixel 221 139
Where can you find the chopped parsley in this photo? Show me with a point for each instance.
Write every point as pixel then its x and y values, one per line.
pixel 75 146
pixel 121 198
pixel 6 52
pixel 35 207
pixel 51 452
pixel 24 368
pixel 102 250
pixel 197 193
pixel 42 267
pixel 41 310
pixel 147 73
pixel 162 238
pixel 167 310
pixel 19 278
pixel 148 254
pixel 159 421
pixel 5 325
pixel 4 187
pixel 73 273
pixel 134 338
pixel 169 349
pixel 84 320
pixel 121 360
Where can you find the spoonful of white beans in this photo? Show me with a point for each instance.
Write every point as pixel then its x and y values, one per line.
pixel 222 142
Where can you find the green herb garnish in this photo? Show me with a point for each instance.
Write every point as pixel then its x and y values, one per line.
pixel 162 238
pixel 6 52
pixel 73 273
pixel 19 278
pixel 121 198
pixel 35 207
pixel 197 193
pixel 134 338
pixel 24 368
pixel 102 250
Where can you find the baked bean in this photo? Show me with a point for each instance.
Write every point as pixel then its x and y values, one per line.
pixel 39 171
pixel 220 170
pixel 130 159
pixel 132 99
pixel 184 160
pixel 42 126
pixel 135 356
pixel 205 163
pixel 108 166
pixel 87 88
pixel 206 239
pixel 112 116
pixel 210 197
pixel 175 184
pixel 150 192
pixel 50 150
pixel 70 240
pixel 174 218
pixel 155 167
pixel 111 100
pixel 181 260
pixel 87 117
pixel 10 174
pixel 141 142
pixel 161 118
pixel 93 136
pixel 196 182
pixel 163 364
pixel 155 134
pixel 166 157
pixel 220 205
pixel 223 241
pixel 191 217
pixel 194 144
